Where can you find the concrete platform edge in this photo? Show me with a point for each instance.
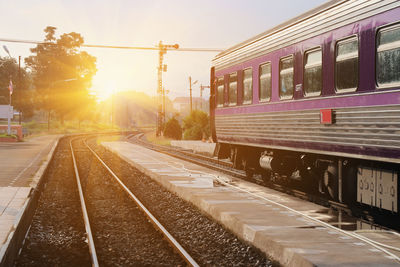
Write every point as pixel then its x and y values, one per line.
pixel 10 250
pixel 277 252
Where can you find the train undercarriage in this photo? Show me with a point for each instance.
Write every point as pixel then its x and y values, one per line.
pixel 370 184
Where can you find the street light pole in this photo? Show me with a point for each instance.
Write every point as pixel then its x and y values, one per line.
pixel 6 49
pixel 202 87
pixel 10 111
pixel 190 89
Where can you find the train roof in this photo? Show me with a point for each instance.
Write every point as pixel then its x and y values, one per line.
pixel 285 24
pixel 323 18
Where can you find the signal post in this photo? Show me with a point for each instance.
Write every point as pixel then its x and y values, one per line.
pixel 161 68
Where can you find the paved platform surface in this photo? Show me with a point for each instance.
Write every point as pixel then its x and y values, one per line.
pixel 12 200
pixel 196 146
pixel 20 161
pixel 21 166
pixel 282 226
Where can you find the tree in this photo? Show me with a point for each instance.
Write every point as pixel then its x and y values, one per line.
pixel 173 129
pixel 22 93
pixel 196 125
pixel 62 74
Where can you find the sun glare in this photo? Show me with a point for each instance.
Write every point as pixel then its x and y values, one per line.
pixel 104 91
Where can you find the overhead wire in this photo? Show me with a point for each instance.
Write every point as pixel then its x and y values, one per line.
pixel 192 49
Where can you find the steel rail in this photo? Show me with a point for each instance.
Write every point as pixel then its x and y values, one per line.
pixel 227 168
pixel 185 255
pixel 92 249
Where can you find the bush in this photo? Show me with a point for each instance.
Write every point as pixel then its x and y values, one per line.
pixel 173 129
pixel 196 125
pixel 194 133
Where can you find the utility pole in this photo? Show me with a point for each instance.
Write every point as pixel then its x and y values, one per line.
pixel 162 50
pixel 19 86
pixel 112 111
pixel 10 87
pixel 190 89
pixel 163 111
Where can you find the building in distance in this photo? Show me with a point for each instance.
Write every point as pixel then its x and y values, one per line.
pixel 182 104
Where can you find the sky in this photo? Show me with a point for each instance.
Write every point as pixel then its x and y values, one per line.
pixel 200 24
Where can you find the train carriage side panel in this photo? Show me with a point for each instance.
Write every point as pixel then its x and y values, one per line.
pixel 365 123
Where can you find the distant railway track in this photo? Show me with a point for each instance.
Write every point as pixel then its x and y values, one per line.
pixel 386 221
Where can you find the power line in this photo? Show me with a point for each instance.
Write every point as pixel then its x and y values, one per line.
pixel 20 41
pixel 193 49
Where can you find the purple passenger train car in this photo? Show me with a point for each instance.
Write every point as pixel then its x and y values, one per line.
pixel 316 100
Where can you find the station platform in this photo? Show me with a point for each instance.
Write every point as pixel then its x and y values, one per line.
pixel 22 164
pixel 196 146
pixel 292 231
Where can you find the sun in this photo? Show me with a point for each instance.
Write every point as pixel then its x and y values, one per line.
pixel 104 90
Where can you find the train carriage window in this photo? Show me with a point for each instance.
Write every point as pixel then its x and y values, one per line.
pixel 265 82
pixel 232 90
pixel 286 78
pixel 247 86
pixel 346 74
pixel 220 92
pixel 388 56
pixel 313 72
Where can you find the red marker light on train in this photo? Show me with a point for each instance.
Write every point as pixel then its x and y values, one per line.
pixel 325 116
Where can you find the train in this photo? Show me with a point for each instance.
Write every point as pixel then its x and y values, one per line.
pixel 315 102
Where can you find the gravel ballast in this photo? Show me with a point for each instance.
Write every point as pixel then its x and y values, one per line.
pixel 122 233
pixel 57 234
pixel 208 242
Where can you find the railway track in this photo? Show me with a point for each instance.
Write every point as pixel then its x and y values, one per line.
pixel 147 230
pixel 386 221
pixel 118 228
pixel 116 231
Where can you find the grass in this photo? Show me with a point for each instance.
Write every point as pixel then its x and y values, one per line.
pixel 159 140
pixel 34 128
pixel 8 135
